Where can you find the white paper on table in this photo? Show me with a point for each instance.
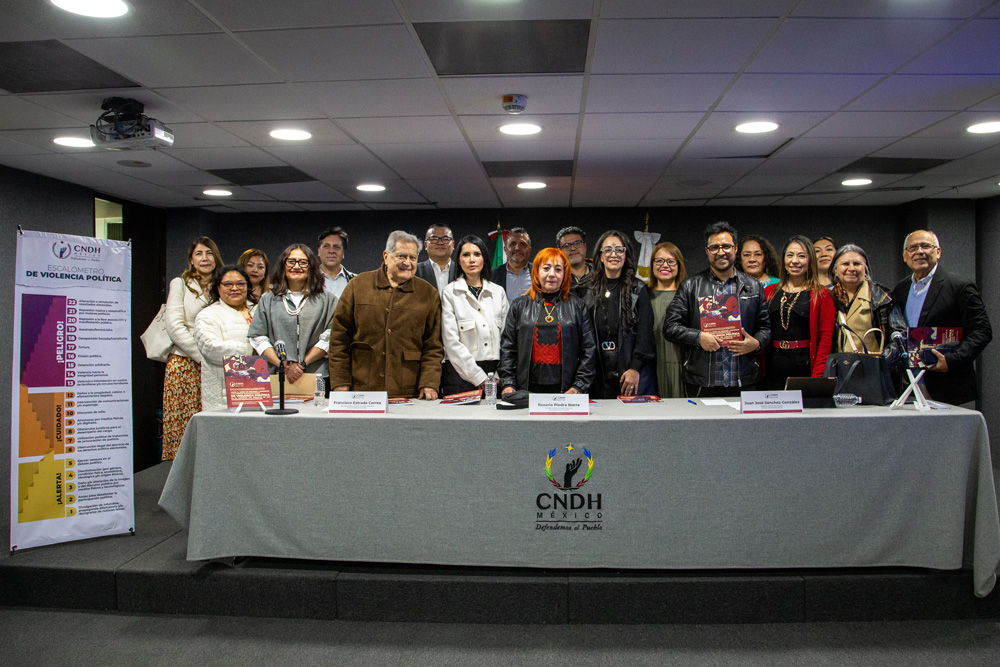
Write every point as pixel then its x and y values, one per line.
pixel 720 401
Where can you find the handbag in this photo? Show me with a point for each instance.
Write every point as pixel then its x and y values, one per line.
pixel 155 338
pixel 865 373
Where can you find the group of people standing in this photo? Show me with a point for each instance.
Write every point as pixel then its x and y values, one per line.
pixel 557 323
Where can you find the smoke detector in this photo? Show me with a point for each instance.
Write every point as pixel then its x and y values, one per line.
pixel 514 103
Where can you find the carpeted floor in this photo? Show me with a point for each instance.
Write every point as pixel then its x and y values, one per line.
pixel 40 637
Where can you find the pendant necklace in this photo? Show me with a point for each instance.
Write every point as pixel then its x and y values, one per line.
pixel 548 313
pixel 786 315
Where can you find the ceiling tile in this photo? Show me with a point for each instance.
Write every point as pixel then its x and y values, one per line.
pixel 833 183
pixel 732 146
pixel 12 143
pixel 395 190
pixel 451 160
pixel 676 45
pixel 905 92
pixel 622 158
pixel 547 94
pixel 777 183
pixel 457 192
pixel 809 147
pixel 875 123
pixel 936 180
pixel 709 168
pixel 376 99
pixel 937 147
pixel 974 49
pixel 163 17
pixel 253 102
pixel 891 198
pixel 814 200
pixel 40 141
pixel 13 29
pixel 401 130
pixel 795 92
pixel 204 135
pixel 978 190
pixel 224 158
pixel 266 14
pixel 263 207
pixel 722 124
pixel 359 52
pixel 256 132
pixel 525 150
pixel 175 179
pixel 298 192
pixel 19 114
pixel 741 201
pixel 334 207
pixel 49 65
pixel 889 8
pixel 847 46
pixel 956 126
pixel 614 191
pixel 177 60
pixel 486 128
pixel 49 164
pixel 106 159
pixel 983 162
pixel 654 92
pixel 650 9
pixel 783 165
pixel 462 10
pixel 556 194
pixel 86 106
pixel 639 125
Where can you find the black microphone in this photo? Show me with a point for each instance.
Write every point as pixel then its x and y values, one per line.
pixel 900 341
pixel 279 349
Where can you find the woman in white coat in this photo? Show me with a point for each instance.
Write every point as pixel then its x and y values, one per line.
pixel 182 381
pixel 221 331
pixel 473 312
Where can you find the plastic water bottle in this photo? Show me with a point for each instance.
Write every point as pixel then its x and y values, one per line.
pixel 846 400
pixel 491 390
pixel 319 392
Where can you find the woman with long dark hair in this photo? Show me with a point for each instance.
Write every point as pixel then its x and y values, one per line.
pixel 757 258
pixel 548 343
pixel 254 262
pixel 802 317
pixel 297 311
pixel 473 312
pixel 623 320
pixel 667 272
pixel 188 294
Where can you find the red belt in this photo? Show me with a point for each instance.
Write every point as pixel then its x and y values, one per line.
pixel 789 344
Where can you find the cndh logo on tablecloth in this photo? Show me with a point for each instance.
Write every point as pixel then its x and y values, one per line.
pixel 568 508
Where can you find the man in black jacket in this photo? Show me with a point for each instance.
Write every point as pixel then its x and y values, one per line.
pixel 932 297
pixel 714 367
pixel 438 269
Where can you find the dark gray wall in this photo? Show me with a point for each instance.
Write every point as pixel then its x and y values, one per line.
pixel 40 204
pixel 988 279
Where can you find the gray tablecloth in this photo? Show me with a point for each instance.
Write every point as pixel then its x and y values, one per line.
pixel 673 486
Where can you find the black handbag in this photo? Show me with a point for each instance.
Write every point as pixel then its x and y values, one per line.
pixel 865 374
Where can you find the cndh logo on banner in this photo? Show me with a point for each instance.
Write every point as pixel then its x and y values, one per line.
pixel 62 250
pixel 567 506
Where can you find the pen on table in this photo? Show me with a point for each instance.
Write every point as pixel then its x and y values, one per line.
pixel 692 402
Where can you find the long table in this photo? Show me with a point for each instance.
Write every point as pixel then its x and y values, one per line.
pixel 664 486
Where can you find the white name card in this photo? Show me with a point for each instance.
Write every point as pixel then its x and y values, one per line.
pixel 770 402
pixel 558 404
pixel 358 401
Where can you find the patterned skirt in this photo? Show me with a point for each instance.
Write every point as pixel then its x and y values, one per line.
pixel 181 399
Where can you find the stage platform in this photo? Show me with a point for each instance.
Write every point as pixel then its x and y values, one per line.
pixel 148 573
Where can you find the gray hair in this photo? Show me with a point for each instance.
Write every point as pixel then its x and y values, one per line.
pixel 846 248
pixel 522 231
pixel 399 236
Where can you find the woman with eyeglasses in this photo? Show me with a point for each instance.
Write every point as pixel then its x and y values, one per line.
pixel 473 312
pixel 221 331
pixel 182 381
pixel 802 317
pixel 623 321
pixel 756 258
pixel 548 343
pixel 296 311
pixel 666 275
pixel 254 262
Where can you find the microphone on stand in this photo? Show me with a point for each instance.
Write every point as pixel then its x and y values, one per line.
pixel 279 349
pixel 900 343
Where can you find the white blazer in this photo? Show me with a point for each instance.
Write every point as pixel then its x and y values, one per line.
pixel 220 332
pixel 470 328
pixel 182 308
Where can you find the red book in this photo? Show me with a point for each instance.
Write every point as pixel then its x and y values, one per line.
pixel 246 381
pixel 921 340
pixel 720 316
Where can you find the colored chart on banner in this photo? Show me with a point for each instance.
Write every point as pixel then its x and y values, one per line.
pixel 71 413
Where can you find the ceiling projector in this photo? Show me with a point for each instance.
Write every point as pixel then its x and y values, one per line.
pixel 123 126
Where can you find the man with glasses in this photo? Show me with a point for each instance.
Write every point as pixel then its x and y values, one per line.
pixel 331 249
pixel 515 275
pixel 573 242
pixel 386 331
pixel 933 297
pixel 438 269
pixel 715 367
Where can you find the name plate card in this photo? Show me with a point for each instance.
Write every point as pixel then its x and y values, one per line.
pixel 558 404
pixel 770 402
pixel 358 401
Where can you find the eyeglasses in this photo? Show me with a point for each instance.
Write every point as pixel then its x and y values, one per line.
pixel 724 247
pixel 441 240
pixel 926 247
pixel 669 263
pixel 402 257
pixel 613 250
pixel 292 263
pixel 231 285
pixel 571 244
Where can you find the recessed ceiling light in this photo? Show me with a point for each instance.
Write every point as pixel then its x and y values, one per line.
pixel 531 185
pixel 371 187
pixel 291 135
pixel 520 128
pixel 857 181
pixel 757 127
pixel 984 128
pixel 101 9
pixel 74 142
pixel 217 193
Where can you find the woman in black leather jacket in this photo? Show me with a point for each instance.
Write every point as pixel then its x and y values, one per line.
pixel 548 343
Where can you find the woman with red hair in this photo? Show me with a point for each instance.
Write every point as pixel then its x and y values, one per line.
pixel 548 344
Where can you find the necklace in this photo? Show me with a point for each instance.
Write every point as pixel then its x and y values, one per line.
pixel 294 310
pixel 548 313
pixel 786 315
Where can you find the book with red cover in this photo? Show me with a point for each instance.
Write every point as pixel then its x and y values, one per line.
pixel 921 340
pixel 720 316
pixel 647 398
pixel 463 398
pixel 246 381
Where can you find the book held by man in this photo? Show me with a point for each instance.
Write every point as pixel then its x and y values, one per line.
pixel 720 316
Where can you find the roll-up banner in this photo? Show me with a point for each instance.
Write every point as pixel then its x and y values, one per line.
pixel 71 400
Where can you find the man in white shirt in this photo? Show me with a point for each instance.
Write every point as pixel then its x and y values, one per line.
pixel 332 244
pixel 438 269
